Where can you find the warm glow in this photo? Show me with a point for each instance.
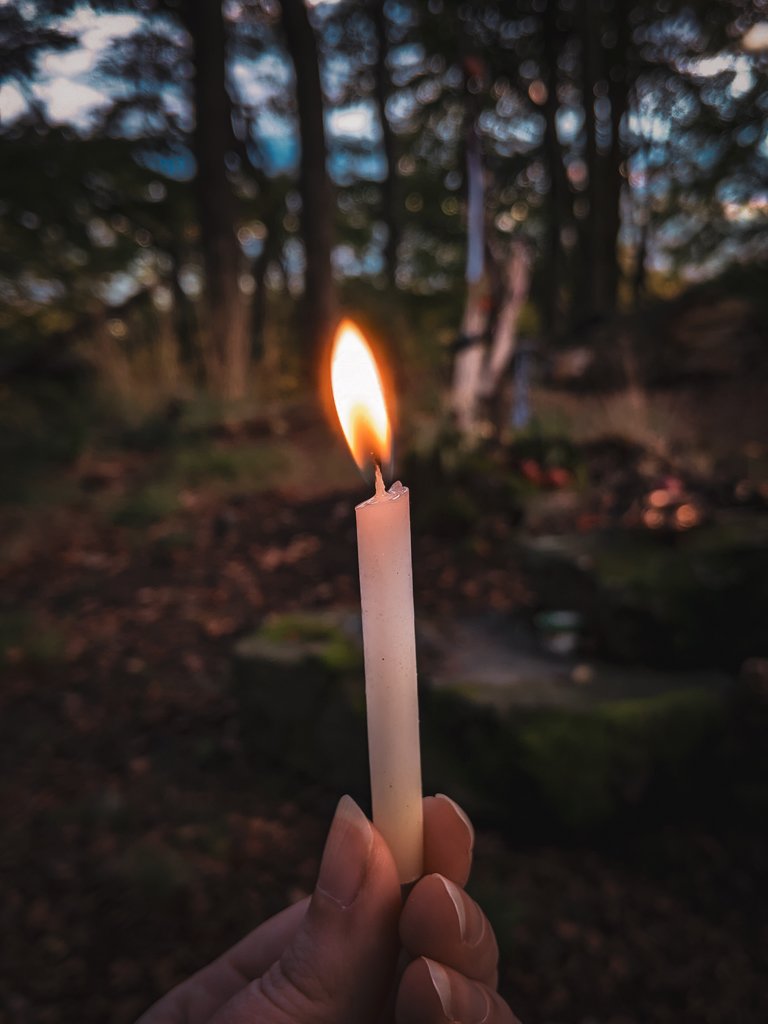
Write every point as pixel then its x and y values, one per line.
pixel 358 394
pixel 659 499
pixel 687 516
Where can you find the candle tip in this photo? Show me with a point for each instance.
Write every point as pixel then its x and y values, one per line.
pixel 379 481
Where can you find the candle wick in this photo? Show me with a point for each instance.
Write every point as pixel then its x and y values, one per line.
pixel 379 481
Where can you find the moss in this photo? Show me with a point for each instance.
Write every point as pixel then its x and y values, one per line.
pixel 576 770
pixel 588 765
pixel 296 627
pixel 248 465
pixel 320 634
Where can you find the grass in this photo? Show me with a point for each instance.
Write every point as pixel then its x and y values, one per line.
pixel 217 468
pixel 250 466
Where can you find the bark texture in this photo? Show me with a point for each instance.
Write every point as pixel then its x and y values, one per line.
pixel 317 200
pixel 227 326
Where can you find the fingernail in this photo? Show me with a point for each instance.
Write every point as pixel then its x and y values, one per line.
pixel 463 818
pixel 468 914
pixel 442 985
pixel 469 1004
pixel 345 858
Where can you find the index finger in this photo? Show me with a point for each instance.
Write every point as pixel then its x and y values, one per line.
pixel 449 839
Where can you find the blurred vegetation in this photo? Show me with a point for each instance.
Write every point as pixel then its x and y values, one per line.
pixel 623 142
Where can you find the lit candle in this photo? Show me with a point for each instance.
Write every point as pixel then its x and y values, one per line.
pixel 386 590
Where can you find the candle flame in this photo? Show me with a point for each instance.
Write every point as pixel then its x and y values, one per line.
pixel 358 394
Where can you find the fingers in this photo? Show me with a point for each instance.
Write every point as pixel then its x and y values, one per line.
pixel 441 922
pixel 340 962
pixel 449 839
pixel 334 958
pixel 454 976
pixel 195 1000
pixel 255 953
pixel 431 993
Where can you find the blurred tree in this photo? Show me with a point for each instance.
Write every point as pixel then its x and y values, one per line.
pixel 622 145
pixel 228 330
pixel 383 89
pixel 317 201
pixel 560 212
pixel 607 68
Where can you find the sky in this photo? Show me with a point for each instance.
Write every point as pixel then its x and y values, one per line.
pixel 66 85
pixel 69 88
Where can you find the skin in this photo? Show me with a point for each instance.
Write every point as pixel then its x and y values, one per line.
pixel 353 953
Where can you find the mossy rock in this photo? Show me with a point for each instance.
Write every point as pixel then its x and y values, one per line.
pixel 299 685
pixel 566 770
pixel 591 766
pixel 633 763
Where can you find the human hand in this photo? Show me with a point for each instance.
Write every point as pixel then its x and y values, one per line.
pixel 332 959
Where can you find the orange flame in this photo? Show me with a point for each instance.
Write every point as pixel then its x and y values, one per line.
pixel 358 394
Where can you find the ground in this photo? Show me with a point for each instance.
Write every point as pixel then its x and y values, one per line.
pixel 141 840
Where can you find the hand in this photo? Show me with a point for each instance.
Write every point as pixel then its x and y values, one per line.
pixel 332 959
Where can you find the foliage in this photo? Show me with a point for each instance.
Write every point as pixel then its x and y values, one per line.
pixel 103 213
pixel 43 426
pixel 686 606
pixel 462 488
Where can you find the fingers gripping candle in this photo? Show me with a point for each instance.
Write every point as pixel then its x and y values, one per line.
pixel 386 589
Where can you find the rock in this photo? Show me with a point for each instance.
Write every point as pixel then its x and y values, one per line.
pixel 299 686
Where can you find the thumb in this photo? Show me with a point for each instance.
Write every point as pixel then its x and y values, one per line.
pixel 339 965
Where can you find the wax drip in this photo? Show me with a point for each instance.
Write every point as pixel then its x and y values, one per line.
pixel 380 489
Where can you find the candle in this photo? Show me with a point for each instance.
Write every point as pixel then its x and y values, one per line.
pixel 386 590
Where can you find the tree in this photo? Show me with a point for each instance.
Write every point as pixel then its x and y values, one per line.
pixel 389 213
pixel 228 329
pixel 317 200
pixel 560 213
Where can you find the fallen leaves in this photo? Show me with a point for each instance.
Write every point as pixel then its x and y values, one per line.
pixel 141 843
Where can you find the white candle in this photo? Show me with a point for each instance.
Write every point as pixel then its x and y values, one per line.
pixel 386 588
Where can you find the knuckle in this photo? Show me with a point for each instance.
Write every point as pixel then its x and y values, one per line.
pixel 295 991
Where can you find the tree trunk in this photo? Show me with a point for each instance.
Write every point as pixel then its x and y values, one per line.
pixel 517 279
pixel 317 201
pixel 560 207
pixel 639 275
pixel 583 307
pixel 618 93
pixel 382 90
pixel 183 315
pixel 470 358
pixel 227 327
pixel 606 192
pixel 473 336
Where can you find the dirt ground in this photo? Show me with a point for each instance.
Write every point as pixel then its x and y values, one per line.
pixel 139 843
